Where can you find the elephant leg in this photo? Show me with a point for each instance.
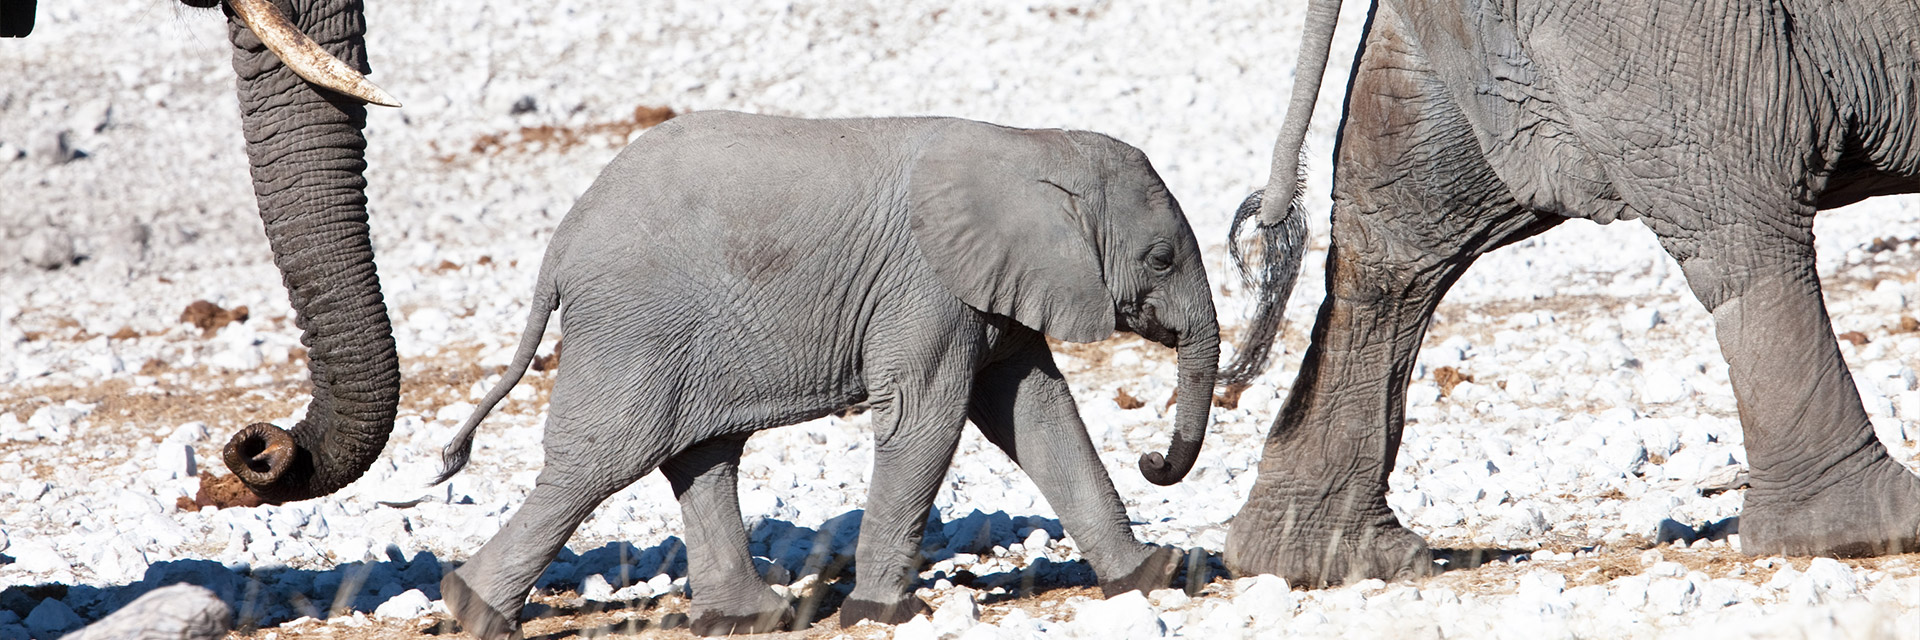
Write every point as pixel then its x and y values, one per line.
pixel 1415 203
pixel 919 403
pixel 1822 482
pixel 486 593
pixel 729 597
pixel 1022 405
pixel 602 434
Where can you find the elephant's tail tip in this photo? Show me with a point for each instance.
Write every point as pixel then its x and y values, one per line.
pixel 453 459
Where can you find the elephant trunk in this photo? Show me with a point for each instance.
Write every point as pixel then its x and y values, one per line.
pixel 308 159
pixel 1199 357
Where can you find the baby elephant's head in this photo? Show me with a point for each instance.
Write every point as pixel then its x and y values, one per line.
pixel 1073 234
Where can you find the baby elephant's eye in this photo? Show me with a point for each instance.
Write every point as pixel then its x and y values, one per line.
pixel 1160 258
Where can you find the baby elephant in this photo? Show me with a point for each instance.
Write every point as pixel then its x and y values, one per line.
pixel 729 273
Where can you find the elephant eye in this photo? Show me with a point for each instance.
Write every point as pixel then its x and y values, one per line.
pixel 1160 258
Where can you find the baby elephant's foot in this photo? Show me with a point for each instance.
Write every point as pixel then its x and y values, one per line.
pixel 475 615
pixel 853 611
pixel 1155 572
pixel 770 613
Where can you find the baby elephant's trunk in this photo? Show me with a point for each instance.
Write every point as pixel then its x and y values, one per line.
pixel 1199 354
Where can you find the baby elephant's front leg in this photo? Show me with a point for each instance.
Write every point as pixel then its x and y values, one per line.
pixel 1022 405
pixel 729 597
pixel 915 435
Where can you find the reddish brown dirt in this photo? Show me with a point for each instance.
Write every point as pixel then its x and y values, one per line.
pixel 559 139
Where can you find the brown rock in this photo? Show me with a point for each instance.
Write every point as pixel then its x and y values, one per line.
pixel 1126 400
pixel 209 317
pixel 1908 324
pixel 1448 378
pixel 549 362
pixel 1229 398
pixel 1855 337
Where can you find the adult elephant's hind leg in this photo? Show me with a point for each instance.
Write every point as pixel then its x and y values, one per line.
pixel 1023 405
pixel 729 597
pixel 1822 483
pixel 1414 204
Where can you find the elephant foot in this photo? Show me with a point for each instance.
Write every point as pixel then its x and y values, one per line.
pixel 480 620
pixel 769 613
pixel 1323 554
pixel 1155 572
pixel 853 611
pixel 1866 514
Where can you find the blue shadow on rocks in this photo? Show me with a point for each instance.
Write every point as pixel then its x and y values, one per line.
pixel 269 595
pixel 783 552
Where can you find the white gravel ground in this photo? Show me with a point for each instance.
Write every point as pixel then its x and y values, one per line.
pixel 1598 409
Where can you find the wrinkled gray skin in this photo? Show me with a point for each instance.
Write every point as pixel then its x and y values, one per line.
pixel 307 154
pixel 1723 126
pixel 729 273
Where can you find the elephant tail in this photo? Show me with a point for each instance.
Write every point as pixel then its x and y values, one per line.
pixel 546 298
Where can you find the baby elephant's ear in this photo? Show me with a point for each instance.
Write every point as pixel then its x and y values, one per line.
pixel 997 214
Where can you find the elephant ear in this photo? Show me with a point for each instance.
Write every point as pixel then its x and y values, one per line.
pixel 997 214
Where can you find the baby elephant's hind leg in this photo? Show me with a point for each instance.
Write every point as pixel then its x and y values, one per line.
pixel 589 456
pixel 486 593
pixel 729 597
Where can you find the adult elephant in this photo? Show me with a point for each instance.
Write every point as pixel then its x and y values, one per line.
pixel 1470 125
pixel 302 106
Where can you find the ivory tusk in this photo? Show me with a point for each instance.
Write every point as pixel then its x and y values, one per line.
pixel 304 56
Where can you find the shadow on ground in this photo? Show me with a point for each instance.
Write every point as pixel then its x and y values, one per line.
pixel 267 596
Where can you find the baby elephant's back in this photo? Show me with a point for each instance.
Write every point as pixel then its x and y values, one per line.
pixel 712 183
pixel 712 213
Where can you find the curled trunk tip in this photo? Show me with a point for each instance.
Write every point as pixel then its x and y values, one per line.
pixel 261 455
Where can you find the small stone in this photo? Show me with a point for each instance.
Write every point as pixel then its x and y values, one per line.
pixel 1667 569
pixel 596 588
pixel 410 604
pixel 175 459
pixel 661 584
pixel 36 557
pixel 1625 454
pixel 1037 540
pixel 189 433
pixel 956 614
pixel 1127 616
pixel 177 611
pixel 1640 320
pixel 919 628
pixel 50 618
pixel 1170 598
pixel 1832 580
pixel 48 248
pixel 30 490
pixel 1671 596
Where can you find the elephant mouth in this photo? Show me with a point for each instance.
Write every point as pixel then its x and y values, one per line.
pixel 1145 322
pixel 304 56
